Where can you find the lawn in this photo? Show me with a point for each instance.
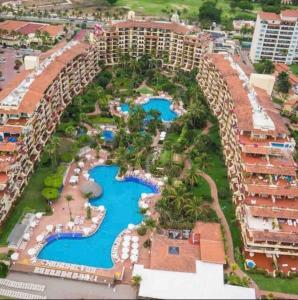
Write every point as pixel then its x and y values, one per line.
pixel 289 286
pixel 163 7
pixel 31 200
pixel 294 68
pixel 145 90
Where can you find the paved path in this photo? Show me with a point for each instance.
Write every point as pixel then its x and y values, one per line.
pixel 96 111
pixel 58 288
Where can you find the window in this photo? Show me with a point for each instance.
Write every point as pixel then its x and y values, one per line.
pixel 174 250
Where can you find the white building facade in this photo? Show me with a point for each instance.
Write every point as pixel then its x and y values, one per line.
pixel 276 37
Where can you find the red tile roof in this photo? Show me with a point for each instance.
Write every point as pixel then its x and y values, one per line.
pixel 30 28
pixel 269 16
pixel 290 13
pixel 269 212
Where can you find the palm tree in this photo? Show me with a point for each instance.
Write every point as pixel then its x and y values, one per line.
pixel 202 161
pixel 69 198
pixel 192 176
pixel 136 280
pixel 196 207
pixel 150 225
pixel 52 148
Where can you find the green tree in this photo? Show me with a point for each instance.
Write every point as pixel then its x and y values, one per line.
pixel 136 280
pixel 265 66
pixel 69 198
pixel 283 83
pixel 50 194
pixel 208 13
pixel 51 148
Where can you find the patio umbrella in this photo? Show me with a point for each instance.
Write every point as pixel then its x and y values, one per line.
pixel 15 256
pixel 87 204
pixel 39 215
pixel 95 220
pixel 131 226
pixel 125 250
pixel 127 238
pixel 143 195
pixel 86 230
pixel 26 236
pixel 124 256
pixel 148 176
pixel 135 251
pixel 33 224
pixel 81 164
pixel 70 225
pixel 32 251
pixel 136 172
pixel 50 228
pixel 92 188
pixel 77 170
pixel 135 245
pixel 126 243
pixel 134 258
pixel 101 161
pixel 145 205
pixel 135 239
pixel 39 238
pixel 101 208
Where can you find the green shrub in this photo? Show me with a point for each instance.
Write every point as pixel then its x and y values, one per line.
pixel 147 244
pixel 54 181
pixel 142 230
pixel 3 270
pixel 50 193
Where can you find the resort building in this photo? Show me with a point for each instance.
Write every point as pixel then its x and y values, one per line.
pixel 276 37
pixel 30 108
pixel 181 270
pixel 259 157
pixel 257 146
pixel 21 33
pixel 173 44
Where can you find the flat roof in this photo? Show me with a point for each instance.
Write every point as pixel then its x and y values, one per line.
pixel 206 283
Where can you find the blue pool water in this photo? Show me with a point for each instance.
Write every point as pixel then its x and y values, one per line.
pixel 120 198
pixel 108 135
pixel 160 104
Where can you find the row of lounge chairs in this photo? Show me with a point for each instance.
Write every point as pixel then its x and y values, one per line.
pixel 19 295
pixel 22 285
pixel 65 274
pixel 70 266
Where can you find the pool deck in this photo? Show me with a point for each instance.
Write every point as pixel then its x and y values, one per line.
pixel 60 215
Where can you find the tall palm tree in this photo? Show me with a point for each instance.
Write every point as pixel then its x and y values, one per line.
pixel 69 198
pixel 196 207
pixel 52 148
pixel 192 176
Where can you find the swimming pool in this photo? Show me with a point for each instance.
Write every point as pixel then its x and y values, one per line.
pixel 108 135
pixel 120 199
pixel 160 104
pixel 280 145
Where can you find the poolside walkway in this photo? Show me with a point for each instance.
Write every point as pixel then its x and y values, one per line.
pixel 58 288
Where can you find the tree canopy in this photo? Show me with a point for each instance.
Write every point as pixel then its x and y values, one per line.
pixel 208 13
pixel 265 66
pixel 283 83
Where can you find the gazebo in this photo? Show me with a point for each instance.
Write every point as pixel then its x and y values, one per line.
pixel 91 188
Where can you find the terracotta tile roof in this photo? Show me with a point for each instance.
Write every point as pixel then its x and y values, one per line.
pixel 242 105
pixel 290 13
pixel 291 191
pixel 30 28
pixel 11 129
pixel 161 259
pixel 53 30
pixel 276 237
pixel 269 16
pixel 7 147
pixel 11 25
pixel 211 243
pixel 268 202
pixel 269 212
pixel 175 27
pixel 3 178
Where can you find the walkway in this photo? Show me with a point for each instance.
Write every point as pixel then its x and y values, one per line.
pixel 96 111
pixel 58 288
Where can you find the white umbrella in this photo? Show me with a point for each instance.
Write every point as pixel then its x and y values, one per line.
pixel 125 250
pixel 39 215
pixel 95 220
pixel 131 226
pixel 148 176
pixel 135 245
pixel 126 243
pixel 101 208
pixel 134 258
pixel 136 172
pixel 143 195
pixel 33 224
pixel 39 238
pixel 32 251
pixel 127 238
pixel 15 256
pixel 26 236
pixel 77 170
pixel 70 225
pixel 50 228
pixel 145 205
pixel 135 238
pixel 58 229
pixel 101 161
pixel 124 256
pixel 87 204
pixel 135 251
pixel 86 230
pixel 81 164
